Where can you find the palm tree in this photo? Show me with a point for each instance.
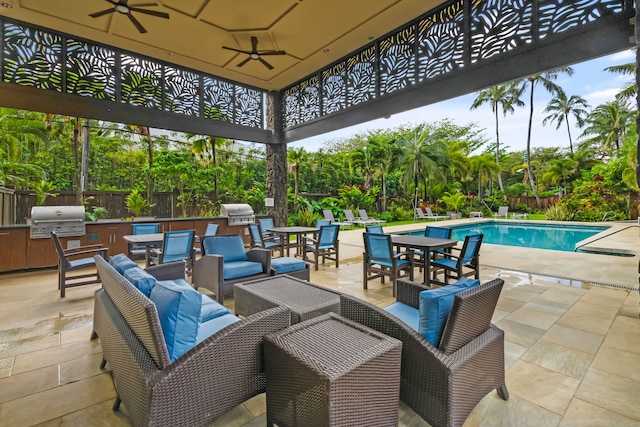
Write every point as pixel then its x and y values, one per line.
pixel 546 79
pixel 561 107
pixel 560 169
pixel 295 158
pixel 631 89
pixel 421 156
pixel 484 166
pixel 205 147
pixel 608 123
pixel 364 160
pixel 503 97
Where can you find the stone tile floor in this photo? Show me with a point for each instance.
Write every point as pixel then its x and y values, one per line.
pixel 572 348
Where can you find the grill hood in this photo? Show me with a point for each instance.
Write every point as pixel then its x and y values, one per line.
pixel 64 220
pixel 238 213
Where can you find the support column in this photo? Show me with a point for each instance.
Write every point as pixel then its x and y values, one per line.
pixel 276 161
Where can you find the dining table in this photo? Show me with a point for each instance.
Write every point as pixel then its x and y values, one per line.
pixel 287 232
pixel 425 244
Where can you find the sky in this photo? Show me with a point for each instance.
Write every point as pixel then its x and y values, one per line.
pixel 589 80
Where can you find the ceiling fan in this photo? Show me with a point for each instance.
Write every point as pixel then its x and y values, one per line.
pixel 122 6
pixel 254 53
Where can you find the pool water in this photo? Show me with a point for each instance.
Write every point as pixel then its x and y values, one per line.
pixel 540 236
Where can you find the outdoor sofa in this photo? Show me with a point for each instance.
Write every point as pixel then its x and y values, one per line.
pixel 170 379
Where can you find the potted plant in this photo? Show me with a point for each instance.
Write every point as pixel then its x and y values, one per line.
pixel 136 203
pixel 454 201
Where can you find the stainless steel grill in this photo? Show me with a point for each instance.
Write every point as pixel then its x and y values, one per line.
pixel 64 220
pixel 238 213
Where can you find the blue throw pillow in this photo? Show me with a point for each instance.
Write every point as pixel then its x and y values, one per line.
pixel 435 305
pixel 121 263
pixel 179 312
pixel 140 279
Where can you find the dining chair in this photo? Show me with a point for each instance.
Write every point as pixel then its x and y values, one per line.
pixel 176 246
pixel 380 260
pixel 375 229
pixel 265 224
pixel 211 230
pixel 467 263
pixel 325 245
pixel 258 241
pixel 138 251
pixel 74 259
pixel 437 233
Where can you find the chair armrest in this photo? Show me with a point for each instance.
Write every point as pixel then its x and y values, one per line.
pixel 232 361
pixel 408 253
pixel 208 272
pixel 408 292
pixel 310 240
pixel 95 251
pixel 86 248
pixel 168 271
pixel 263 256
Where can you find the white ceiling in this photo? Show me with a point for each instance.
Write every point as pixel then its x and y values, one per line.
pixel 313 33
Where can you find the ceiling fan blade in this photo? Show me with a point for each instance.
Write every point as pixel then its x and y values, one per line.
pixel 151 12
pixel 254 44
pixel 101 13
pixel 136 23
pixel 266 64
pixel 115 3
pixel 236 50
pixel 245 61
pixel 273 52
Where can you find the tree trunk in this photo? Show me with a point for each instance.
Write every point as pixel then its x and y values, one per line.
pixel 566 119
pixel 529 170
pixel 498 155
pixel 76 160
pixel 84 172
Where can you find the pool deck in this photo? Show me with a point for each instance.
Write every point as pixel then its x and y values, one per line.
pixel 609 270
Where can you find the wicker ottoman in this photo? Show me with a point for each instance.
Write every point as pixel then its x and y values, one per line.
pixel 305 300
pixel 330 371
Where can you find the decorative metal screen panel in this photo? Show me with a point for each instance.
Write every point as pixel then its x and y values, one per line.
pixel 499 26
pixel 460 33
pixel 361 76
pixel 441 44
pixel 181 91
pixel 398 60
pixel 48 60
pixel 32 57
pixel 90 70
pixel 218 100
pixel 557 16
pixel 310 99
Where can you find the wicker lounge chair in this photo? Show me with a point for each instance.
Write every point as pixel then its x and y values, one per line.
pixel 443 384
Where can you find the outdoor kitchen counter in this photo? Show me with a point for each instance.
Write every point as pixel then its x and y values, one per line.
pixel 19 252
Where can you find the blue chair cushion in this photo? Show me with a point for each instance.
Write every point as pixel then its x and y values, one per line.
pixel 211 309
pixel 179 312
pixel 230 247
pixel 406 313
pixel 435 305
pixel 233 270
pixel 284 265
pixel 214 325
pixel 121 263
pixel 140 279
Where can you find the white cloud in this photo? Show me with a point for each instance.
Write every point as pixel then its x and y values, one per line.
pixel 625 54
pixel 601 96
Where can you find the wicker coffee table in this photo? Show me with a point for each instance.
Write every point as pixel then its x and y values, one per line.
pixel 304 299
pixel 330 371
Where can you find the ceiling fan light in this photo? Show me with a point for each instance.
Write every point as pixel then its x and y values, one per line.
pixel 254 56
pixel 122 9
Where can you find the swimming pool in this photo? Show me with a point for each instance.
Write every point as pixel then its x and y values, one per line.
pixel 541 236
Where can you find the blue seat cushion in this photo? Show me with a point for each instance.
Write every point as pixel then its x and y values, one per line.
pixel 179 312
pixel 214 325
pixel 233 270
pixel 121 263
pixel 211 309
pixel 140 279
pixel 435 305
pixel 406 313
pixel 287 264
pixel 230 247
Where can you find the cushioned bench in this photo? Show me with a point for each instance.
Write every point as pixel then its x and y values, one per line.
pixel 290 266
pixel 176 356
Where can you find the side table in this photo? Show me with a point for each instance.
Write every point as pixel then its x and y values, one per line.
pixel 331 371
pixel 304 299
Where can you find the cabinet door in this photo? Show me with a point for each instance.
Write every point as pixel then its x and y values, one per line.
pixel 109 236
pixel 178 225
pixel 13 249
pixel 42 252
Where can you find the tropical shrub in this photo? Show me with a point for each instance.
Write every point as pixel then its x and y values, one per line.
pixel 136 203
pixel 560 212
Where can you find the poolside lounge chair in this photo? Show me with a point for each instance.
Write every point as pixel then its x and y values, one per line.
pixel 365 217
pixel 430 215
pixel 348 214
pixel 328 214
pixel 503 211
